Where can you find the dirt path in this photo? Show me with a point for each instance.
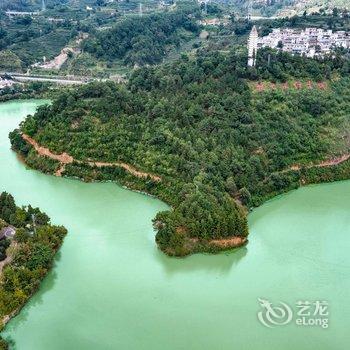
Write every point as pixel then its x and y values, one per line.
pixel 4 262
pixel 235 241
pixel 10 251
pixel 129 168
pixel 60 170
pixel 43 151
pixel 324 164
pixel 65 158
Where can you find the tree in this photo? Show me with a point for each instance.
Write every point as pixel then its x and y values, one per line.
pixel 21 235
pixel 245 196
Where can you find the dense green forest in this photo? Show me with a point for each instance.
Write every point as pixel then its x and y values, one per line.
pixel 118 36
pixel 31 90
pixel 32 253
pixel 26 40
pixel 143 40
pixel 219 146
pixel 35 5
pixel 19 5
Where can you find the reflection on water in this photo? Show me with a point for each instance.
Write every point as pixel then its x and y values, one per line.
pixel 111 288
pixel 221 263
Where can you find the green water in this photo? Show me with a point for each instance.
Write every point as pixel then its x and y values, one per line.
pixel 112 289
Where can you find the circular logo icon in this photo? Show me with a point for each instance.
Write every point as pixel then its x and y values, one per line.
pixel 271 315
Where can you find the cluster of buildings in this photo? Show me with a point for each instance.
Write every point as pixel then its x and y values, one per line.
pixel 310 42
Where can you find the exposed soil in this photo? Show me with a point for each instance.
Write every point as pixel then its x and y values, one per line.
pixel 324 164
pixel 129 168
pixel 65 158
pixel 232 242
pixel 262 86
pixel 43 151
pixel 8 259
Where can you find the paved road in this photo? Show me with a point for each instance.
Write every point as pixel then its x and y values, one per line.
pixel 51 80
pixel 70 80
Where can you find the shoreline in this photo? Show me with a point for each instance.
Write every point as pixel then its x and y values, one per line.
pixel 64 165
pixel 7 318
pixel 65 158
pixel 193 245
pixel 22 272
pixel 196 245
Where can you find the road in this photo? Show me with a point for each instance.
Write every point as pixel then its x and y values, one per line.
pixel 57 79
pixel 69 80
pixel 50 80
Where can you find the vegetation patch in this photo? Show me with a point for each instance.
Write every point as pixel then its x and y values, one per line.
pixel 144 40
pixel 34 245
pixel 218 147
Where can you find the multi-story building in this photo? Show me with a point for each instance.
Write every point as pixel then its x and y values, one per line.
pixel 310 42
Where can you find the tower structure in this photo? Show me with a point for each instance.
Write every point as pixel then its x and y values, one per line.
pixel 252 47
pixel 140 9
pixel 249 10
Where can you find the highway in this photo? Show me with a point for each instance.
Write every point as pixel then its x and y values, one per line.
pixel 58 79
pixel 68 80
pixel 50 80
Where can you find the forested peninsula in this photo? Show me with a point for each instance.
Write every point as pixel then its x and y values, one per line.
pixel 211 137
pixel 28 245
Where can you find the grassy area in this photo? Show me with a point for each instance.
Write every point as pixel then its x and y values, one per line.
pixel 87 65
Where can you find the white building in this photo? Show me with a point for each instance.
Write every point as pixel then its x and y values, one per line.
pixel 310 42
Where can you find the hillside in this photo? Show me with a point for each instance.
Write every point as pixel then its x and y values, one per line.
pixel 289 8
pixel 310 6
pixel 27 40
pixel 218 142
pixel 36 5
pixel 116 37
pixel 144 40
